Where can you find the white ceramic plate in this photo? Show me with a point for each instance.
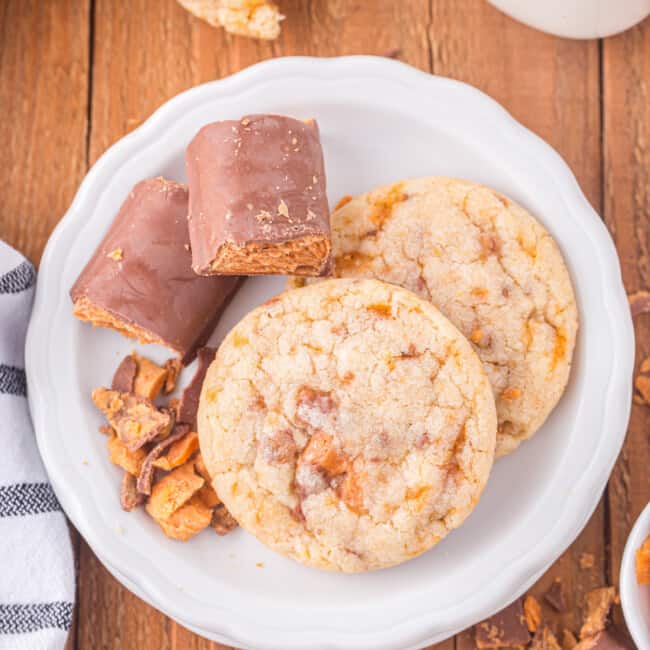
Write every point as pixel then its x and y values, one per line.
pixel 380 121
pixel 635 598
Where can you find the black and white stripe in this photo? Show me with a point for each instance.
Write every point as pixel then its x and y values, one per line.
pixel 22 499
pixel 37 575
pixel 18 279
pixel 12 380
pixel 31 617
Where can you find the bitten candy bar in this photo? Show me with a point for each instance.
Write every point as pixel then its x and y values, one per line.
pixel 257 198
pixel 140 282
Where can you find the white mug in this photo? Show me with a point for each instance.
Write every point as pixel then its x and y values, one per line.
pixel 577 18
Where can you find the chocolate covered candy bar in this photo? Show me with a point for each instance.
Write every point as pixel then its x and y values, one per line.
pixel 257 198
pixel 140 281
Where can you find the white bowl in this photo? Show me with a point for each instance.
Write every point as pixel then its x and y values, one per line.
pixel 380 121
pixel 577 18
pixel 635 598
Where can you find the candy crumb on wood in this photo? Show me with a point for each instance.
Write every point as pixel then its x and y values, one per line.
pixel 253 18
pixel 528 624
pixel 643 563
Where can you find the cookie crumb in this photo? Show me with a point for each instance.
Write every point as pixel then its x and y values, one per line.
pixel 117 255
pixel 587 561
pixel 545 640
pixel 639 302
pixel 642 384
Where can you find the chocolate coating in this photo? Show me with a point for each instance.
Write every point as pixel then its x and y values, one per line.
pixel 141 273
pixel 260 183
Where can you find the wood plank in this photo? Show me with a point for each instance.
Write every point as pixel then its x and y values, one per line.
pixel 144 53
pixel 626 78
pixel 546 85
pixel 44 93
pixel 44 70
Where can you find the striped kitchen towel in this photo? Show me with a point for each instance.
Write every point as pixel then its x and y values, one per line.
pixel 36 559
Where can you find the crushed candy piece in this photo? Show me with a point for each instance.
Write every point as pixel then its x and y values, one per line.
pixel 124 376
pixel 179 452
pixel 532 613
pixel 149 379
pixel 222 521
pixel 173 490
pixel 643 563
pixel 609 639
pixel 569 641
pixel 506 629
pixel 598 603
pixel 173 367
pixel 639 303
pixel 189 403
pixel 554 596
pixel 199 465
pixel 187 521
pixel 208 495
pixel 587 561
pixel 117 255
pixel 145 477
pixel 120 454
pixel 642 384
pixel 135 419
pixel 544 639
pixel 130 498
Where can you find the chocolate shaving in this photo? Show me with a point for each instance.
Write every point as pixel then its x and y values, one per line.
pixel 222 521
pixel 145 478
pixel 130 498
pixel 554 596
pixel 506 629
pixel 135 419
pixel 124 376
pixel 189 404
pixel 639 303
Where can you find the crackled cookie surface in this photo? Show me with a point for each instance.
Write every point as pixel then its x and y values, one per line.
pixel 348 425
pixel 489 266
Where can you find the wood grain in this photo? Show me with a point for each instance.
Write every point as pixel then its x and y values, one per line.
pixel 79 74
pixel 545 82
pixel 626 74
pixel 43 95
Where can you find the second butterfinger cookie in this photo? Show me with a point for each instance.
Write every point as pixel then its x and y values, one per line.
pixel 489 266
pixel 347 425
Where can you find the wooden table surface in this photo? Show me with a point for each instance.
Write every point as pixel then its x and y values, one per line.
pixel 77 75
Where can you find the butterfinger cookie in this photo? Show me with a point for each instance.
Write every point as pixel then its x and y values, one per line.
pixel 489 266
pixel 347 425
